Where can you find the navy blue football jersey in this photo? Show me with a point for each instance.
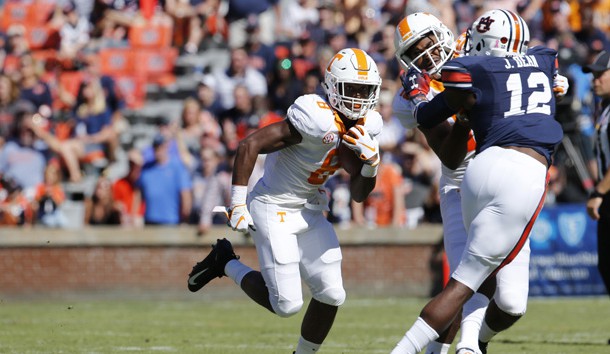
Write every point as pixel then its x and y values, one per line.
pixel 515 104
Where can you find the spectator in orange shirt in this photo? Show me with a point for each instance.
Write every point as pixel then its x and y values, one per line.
pixel 14 206
pixel 49 196
pixel 127 196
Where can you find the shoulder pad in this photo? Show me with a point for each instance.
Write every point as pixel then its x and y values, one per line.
pixel 311 115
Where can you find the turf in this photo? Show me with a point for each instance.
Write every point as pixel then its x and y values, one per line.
pixel 371 325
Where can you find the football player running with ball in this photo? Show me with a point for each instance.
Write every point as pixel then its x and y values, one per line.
pixel 284 211
pixel 507 96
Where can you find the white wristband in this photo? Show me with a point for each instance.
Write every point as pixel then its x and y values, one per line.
pixel 369 171
pixel 238 195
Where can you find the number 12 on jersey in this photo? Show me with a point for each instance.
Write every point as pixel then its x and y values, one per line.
pixel 537 101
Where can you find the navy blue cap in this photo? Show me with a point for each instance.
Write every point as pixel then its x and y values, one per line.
pixel 601 63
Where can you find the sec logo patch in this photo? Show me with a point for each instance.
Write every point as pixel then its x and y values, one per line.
pixel 329 138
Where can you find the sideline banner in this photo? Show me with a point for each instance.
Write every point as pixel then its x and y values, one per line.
pixel 564 253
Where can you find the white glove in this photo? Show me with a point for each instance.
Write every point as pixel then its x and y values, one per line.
pixel 366 148
pixel 240 219
pixel 363 144
pixel 238 214
pixel 560 86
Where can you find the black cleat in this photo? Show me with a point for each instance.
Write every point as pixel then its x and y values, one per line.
pixel 211 266
pixel 483 347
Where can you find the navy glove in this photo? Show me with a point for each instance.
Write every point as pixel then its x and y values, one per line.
pixel 416 85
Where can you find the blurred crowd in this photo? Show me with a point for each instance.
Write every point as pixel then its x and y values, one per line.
pixel 72 68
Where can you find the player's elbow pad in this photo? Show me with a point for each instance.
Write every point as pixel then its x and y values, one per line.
pixel 430 114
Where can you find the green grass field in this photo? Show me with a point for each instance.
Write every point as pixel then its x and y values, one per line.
pixel 239 326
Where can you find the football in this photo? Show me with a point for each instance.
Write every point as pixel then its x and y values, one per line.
pixel 348 160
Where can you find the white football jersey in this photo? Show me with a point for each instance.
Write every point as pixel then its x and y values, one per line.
pixel 294 174
pixel 402 108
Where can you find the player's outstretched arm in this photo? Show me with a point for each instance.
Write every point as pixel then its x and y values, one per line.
pixel 271 138
pixel 443 106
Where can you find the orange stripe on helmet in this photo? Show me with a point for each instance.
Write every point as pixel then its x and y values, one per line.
pixel 517 31
pixel 363 66
pixel 403 28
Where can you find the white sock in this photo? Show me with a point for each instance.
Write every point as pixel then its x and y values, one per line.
pixel 236 270
pixel 438 348
pixel 486 333
pixel 416 338
pixel 306 347
pixel 472 317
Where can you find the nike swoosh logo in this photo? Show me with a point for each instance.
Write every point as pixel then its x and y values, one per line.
pixel 368 147
pixel 241 218
pixel 193 277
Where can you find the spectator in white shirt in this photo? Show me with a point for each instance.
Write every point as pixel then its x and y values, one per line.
pixel 74 33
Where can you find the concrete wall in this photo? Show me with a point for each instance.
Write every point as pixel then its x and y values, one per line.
pixel 105 262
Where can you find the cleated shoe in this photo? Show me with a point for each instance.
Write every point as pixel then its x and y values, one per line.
pixel 211 266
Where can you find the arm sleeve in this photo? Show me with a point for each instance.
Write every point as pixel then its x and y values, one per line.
pixel 431 114
pixel 455 76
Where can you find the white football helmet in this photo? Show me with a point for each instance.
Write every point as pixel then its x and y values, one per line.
pixel 352 66
pixel 415 27
pixel 498 33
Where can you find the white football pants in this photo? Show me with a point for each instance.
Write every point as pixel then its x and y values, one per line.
pixel 295 243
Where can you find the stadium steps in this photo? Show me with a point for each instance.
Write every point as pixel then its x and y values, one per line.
pixel 208 60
